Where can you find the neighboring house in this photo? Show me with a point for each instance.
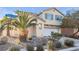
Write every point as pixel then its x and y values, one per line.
pixel 46 22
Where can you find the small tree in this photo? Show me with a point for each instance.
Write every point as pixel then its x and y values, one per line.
pixel 71 21
pixel 50 45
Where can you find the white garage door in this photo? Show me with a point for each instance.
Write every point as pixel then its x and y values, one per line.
pixel 47 32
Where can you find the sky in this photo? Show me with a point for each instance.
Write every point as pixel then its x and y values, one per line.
pixel 11 10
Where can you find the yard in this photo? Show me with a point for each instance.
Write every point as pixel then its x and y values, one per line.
pixel 39 44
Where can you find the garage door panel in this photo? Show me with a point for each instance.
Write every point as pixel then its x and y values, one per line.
pixel 47 32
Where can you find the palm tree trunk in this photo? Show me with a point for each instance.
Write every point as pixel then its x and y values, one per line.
pixel 1 32
pixel 8 30
pixel 23 35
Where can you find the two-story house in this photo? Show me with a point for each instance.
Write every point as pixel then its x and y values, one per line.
pixel 46 22
pixel 53 19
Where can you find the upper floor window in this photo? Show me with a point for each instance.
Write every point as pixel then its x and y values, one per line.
pixel 58 17
pixel 49 16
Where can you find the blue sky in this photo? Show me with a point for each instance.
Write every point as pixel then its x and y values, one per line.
pixel 11 10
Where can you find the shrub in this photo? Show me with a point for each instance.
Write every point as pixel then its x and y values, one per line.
pixel 14 49
pixel 30 48
pixel 44 41
pixel 40 48
pixel 43 44
pixel 58 45
pixel 69 43
pixel 3 40
pixel 30 38
pixel 22 38
pixel 50 45
pixel 56 35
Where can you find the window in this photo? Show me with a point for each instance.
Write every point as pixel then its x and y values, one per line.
pixel 49 16
pixel 58 17
pixel 46 16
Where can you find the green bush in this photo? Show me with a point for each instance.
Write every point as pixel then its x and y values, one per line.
pixel 69 43
pixel 14 49
pixel 30 38
pixel 30 48
pixel 56 35
pixel 40 48
pixel 58 45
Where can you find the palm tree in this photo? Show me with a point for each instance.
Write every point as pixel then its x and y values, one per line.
pixel 24 20
pixel 6 23
pixel 1 27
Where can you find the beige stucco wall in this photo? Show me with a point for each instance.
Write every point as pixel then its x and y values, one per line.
pixel 39 32
pixel 13 33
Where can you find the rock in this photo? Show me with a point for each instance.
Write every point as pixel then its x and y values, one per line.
pixel 3 40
